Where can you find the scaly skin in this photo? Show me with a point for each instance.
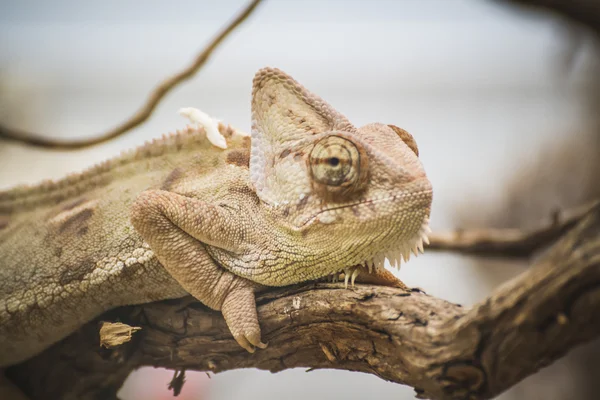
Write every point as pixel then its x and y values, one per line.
pixel 309 196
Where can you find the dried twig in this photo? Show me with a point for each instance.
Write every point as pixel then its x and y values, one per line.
pixel 441 349
pixel 35 139
pixel 508 242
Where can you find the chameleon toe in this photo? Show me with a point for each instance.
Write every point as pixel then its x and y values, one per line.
pixel 243 342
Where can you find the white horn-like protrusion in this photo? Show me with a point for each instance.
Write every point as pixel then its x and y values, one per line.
pixel 210 125
pixel 406 254
pixel 420 245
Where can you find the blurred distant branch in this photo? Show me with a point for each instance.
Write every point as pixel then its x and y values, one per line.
pixel 585 12
pixel 509 242
pixel 164 87
pixel 441 349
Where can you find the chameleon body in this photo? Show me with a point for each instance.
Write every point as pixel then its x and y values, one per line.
pixel 307 196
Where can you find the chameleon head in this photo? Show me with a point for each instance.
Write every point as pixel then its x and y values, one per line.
pixel 347 195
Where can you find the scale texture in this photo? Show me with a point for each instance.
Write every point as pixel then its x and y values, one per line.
pixel 307 196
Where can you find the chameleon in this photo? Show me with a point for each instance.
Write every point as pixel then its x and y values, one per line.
pixel 213 212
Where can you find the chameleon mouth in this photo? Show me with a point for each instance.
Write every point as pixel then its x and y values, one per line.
pixel 328 215
pixel 394 257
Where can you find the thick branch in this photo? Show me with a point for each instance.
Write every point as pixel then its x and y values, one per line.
pixel 439 348
pixel 509 242
pixel 145 111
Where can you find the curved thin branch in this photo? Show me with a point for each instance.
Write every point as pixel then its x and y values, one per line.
pixel 509 242
pixel 159 92
pixel 441 349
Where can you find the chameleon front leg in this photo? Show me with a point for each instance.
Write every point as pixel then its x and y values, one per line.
pixel 177 228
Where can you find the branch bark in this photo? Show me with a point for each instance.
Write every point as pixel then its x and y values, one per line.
pixel 509 243
pixel 441 349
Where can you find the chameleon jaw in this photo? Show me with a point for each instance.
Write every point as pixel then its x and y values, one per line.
pixel 395 258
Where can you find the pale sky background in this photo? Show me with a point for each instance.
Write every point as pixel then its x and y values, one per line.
pixel 480 85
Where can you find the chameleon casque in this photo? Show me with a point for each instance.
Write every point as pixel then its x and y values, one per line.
pixel 307 196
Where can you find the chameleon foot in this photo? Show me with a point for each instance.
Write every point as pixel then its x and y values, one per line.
pixel 239 310
pixel 381 277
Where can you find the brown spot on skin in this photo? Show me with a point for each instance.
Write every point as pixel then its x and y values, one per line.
pixel 246 141
pixel 298 156
pixel 355 211
pixel 225 130
pixel 406 138
pixel 286 211
pixel 76 222
pixel 58 251
pixel 3 222
pixel 76 273
pixel 131 271
pixel 173 177
pixel 284 153
pixel 239 158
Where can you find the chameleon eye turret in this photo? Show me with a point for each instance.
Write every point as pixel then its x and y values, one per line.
pixel 338 165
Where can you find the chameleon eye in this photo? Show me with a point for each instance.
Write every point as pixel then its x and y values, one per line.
pixel 336 162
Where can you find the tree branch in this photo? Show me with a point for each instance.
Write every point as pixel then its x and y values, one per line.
pixel 509 243
pixel 585 12
pixel 159 92
pixel 441 349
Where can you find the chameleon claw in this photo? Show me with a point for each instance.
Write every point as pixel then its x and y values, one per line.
pixel 350 275
pixel 253 338
pixel 249 344
pixel 354 275
pixel 262 345
pixel 243 342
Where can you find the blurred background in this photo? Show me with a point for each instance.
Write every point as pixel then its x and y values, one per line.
pixel 503 103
